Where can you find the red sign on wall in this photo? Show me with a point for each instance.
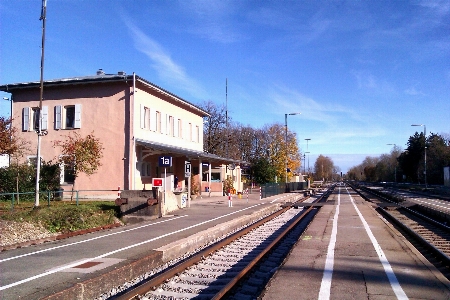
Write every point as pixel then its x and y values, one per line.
pixel 157 182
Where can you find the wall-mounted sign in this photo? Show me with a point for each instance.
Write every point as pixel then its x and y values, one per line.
pixel 165 161
pixel 187 169
pixel 231 167
pixel 157 182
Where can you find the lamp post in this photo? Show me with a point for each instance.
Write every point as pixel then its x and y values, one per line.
pixel 307 152
pixel 11 118
pixel 285 141
pixel 395 170
pixel 307 140
pixel 425 156
pixel 11 109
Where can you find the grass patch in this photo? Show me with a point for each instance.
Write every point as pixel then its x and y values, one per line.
pixel 63 216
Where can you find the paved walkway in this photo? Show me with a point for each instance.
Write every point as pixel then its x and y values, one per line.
pixel 78 263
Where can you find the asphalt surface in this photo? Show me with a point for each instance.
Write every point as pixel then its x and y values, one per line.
pixel 87 265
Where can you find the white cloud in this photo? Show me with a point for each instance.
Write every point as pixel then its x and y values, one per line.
pixel 163 64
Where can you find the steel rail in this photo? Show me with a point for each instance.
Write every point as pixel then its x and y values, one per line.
pixel 413 235
pixel 417 237
pixel 233 282
pixel 171 272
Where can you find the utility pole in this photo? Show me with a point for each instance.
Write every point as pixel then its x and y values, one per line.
pixel 39 131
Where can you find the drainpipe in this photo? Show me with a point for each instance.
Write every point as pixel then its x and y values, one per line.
pixel 131 168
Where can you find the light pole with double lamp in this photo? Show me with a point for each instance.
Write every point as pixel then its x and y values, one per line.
pixel 425 156
pixel 285 141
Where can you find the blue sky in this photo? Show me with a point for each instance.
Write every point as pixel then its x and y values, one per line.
pixel 360 72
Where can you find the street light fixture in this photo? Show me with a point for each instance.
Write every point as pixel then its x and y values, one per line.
pixel 10 100
pixel 395 170
pixel 425 159
pixel 285 140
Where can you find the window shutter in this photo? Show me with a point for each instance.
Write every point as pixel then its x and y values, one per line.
pixel 77 116
pixel 44 119
pixel 142 116
pixel 58 116
pixel 175 126
pixel 26 118
pixel 153 120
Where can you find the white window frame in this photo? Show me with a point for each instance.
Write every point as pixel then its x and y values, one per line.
pixel 158 122
pixel 62 168
pixel 197 134
pixel 76 117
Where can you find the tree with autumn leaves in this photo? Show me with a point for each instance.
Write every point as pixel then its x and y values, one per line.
pixel 265 149
pixel 82 154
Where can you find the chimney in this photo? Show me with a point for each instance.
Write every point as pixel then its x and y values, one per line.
pixel 100 72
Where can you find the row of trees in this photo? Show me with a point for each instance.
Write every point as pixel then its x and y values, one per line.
pixel 408 165
pixel 264 148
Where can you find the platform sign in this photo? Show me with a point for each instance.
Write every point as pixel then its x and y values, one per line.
pixel 187 169
pixel 157 182
pixel 165 161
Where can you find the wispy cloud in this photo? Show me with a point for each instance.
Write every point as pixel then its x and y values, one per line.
pixel 412 91
pixel 328 122
pixel 161 61
pixel 213 20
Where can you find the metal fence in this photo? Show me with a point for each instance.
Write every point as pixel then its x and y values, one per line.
pixel 272 189
pixel 49 196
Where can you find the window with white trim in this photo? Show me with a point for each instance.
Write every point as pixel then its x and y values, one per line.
pixel 68 116
pixel 197 134
pixel 170 130
pixel 190 132
pixel 67 173
pixel 158 121
pixel 145 117
pixel 30 118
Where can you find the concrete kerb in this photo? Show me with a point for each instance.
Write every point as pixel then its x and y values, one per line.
pixel 104 283
pixel 193 242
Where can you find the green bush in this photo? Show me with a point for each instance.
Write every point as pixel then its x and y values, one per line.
pixel 22 178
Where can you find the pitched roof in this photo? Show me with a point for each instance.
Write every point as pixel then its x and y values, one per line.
pixel 100 78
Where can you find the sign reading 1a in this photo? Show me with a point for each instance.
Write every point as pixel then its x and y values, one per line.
pixel 165 161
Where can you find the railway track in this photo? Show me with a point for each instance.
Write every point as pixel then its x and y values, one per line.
pixel 237 267
pixel 430 237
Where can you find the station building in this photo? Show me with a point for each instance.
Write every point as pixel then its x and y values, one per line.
pixel 137 122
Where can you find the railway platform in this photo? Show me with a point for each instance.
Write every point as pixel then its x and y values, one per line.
pixel 85 266
pixel 350 252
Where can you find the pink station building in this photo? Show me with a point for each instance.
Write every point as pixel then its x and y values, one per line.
pixel 137 122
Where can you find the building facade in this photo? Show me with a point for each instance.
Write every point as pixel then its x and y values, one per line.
pixel 137 123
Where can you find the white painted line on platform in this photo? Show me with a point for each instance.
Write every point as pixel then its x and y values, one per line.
pixel 89 240
pixel 116 251
pixel 383 259
pixel 325 286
